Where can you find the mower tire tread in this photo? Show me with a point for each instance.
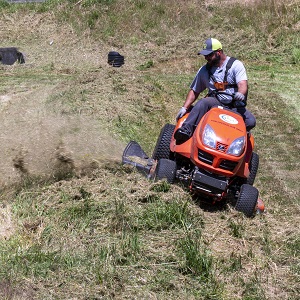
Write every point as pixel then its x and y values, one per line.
pixel 247 200
pixel 162 147
pixel 166 169
pixel 253 168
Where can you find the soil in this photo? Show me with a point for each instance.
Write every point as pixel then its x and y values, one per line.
pixel 35 133
pixel 38 138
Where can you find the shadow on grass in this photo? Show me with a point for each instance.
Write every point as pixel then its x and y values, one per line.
pixel 208 205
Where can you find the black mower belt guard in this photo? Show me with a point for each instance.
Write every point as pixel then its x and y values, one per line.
pixel 134 155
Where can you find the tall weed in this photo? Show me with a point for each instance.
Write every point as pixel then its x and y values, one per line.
pixel 197 258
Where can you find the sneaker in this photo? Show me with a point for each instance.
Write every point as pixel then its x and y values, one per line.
pixel 182 135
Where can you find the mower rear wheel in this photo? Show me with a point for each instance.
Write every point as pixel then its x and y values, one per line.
pixel 162 148
pixel 247 200
pixel 166 169
pixel 253 168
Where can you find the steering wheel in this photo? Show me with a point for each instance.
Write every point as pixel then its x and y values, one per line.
pixel 233 102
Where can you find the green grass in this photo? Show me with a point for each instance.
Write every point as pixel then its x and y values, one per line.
pixel 113 234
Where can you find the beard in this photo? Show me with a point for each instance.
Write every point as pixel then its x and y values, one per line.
pixel 215 61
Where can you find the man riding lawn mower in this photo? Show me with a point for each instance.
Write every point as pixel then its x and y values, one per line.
pixel 221 74
pixel 210 149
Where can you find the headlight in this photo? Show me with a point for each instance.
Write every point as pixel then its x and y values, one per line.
pixel 237 147
pixel 209 137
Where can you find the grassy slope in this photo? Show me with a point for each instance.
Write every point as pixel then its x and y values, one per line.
pixel 112 234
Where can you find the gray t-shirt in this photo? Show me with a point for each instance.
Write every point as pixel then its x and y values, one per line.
pixel 235 74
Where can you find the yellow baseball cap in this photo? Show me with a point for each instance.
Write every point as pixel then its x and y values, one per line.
pixel 210 46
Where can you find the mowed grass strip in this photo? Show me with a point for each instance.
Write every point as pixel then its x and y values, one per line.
pixel 106 231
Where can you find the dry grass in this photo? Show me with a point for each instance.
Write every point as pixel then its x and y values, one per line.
pixel 74 223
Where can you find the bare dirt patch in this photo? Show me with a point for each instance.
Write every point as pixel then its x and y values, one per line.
pixel 35 139
pixel 35 132
pixel 6 223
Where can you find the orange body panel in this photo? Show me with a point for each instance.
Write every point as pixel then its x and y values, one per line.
pixel 227 126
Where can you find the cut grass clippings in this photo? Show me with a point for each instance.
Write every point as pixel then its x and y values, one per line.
pixel 74 222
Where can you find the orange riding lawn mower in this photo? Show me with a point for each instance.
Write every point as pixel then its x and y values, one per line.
pixel 217 163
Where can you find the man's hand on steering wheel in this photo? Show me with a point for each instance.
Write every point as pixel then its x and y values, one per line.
pixel 239 96
pixel 181 113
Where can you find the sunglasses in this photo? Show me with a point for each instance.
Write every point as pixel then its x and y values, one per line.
pixel 212 53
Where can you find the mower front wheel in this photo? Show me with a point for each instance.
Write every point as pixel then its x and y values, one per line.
pixel 247 200
pixel 166 169
pixel 162 147
pixel 253 168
